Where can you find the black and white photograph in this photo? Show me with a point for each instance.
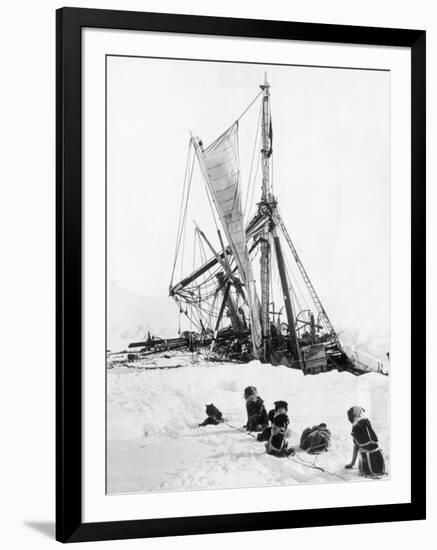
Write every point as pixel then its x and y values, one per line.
pixel 217 274
pixel 247 275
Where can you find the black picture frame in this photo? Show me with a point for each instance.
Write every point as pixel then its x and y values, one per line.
pixel 69 524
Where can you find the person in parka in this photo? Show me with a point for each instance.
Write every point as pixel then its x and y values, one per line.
pixel 365 441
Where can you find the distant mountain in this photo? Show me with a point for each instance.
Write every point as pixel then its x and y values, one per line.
pixel 131 316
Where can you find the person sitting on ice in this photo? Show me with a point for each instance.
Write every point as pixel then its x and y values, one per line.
pixel 315 440
pixel 281 407
pixel 257 419
pixel 277 445
pixel 371 463
pixel 214 416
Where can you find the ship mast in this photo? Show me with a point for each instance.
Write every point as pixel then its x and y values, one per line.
pixel 219 165
pixel 267 209
pixel 264 207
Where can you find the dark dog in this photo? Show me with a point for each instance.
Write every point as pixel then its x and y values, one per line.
pixel 214 416
pixel 315 440
pixel 277 445
pixel 281 407
pixel 257 419
pixel 365 443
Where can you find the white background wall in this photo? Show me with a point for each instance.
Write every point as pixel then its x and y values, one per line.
pixel 27 245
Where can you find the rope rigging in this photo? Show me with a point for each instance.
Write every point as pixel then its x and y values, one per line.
pixel 294 457
pixel 252 196
pixel 198 297
pixel 183 211
pixel 248 107
pixel 251 183
pixel 180 213
pixel 314 297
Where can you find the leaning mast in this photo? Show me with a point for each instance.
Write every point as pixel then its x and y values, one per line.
pixel 219 164
pixel 267 208
pixel 264 206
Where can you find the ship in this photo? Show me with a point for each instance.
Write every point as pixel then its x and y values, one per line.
pixel 228 298
pixel 234 313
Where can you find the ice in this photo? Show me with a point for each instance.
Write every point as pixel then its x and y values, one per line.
pixel 155 443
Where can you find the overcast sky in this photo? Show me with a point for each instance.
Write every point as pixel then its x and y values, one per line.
pixel 331 171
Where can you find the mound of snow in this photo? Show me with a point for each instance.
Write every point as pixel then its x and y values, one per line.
pixel 370 351
pixel 155 444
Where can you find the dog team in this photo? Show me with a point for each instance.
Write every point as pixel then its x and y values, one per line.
pixel 272 427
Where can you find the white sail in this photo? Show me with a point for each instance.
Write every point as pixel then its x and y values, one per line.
pixel 221 167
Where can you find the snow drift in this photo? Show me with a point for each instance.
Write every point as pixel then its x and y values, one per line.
pixel 155 443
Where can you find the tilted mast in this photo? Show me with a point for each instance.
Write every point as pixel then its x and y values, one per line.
pixel 267 209
pixel 294 344
pixel 220 167
pixel 266 152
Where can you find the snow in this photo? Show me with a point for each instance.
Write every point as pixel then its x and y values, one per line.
pixel 155 443
pixel 127 311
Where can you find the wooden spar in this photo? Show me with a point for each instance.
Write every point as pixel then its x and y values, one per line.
pixel 196 274
pixel 220 315
pixel 218 256
pixel 230 304
pixel 265 235
pixel 240 261
pixel 294 345
pixel 314 296
pixel 222 307
pixel 225 259
pixel 204 268
pixel 313 328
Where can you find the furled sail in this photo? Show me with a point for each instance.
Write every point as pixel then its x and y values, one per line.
pixel 221 166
